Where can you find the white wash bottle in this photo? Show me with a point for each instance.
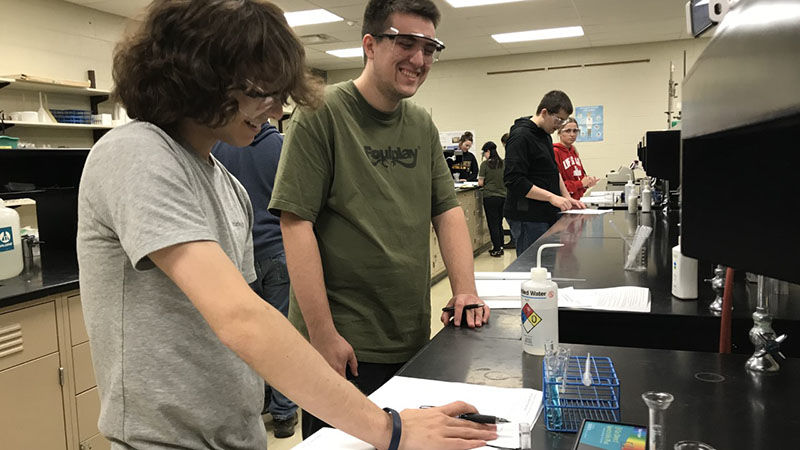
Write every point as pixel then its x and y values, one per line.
pixel 539 308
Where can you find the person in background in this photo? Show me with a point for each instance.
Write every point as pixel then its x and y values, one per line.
pixel 255 166
pixel 359 184
pixel 490 177
pixel 181 345
pixel 511 243
pixel 569 163
pixel 535 190
pixel 465 165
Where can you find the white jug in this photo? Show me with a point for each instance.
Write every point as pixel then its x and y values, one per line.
pixel 10 243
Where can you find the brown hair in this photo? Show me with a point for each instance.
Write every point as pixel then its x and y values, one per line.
pixel 555 102
pixel 188 56
pixel 377 12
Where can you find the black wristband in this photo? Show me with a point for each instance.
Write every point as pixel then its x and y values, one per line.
pixel 397 428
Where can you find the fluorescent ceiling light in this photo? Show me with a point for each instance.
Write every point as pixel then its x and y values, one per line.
pixel 310 17
pixel 355 52
pixel 468 3
pixel 537 35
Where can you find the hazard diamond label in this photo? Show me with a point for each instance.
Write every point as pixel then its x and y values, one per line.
pixel 529 318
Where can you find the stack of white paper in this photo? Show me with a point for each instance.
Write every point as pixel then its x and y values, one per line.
pixel 501 293
pixel 516 405
pixel 623 298
pixel 587 211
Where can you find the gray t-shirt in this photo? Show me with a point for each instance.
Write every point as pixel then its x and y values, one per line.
pixel 164 378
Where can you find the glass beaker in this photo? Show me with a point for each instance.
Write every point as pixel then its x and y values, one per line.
pixel 657 403
pixel 636 262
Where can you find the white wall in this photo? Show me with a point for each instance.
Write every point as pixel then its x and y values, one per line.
pixel 460 95
pixel 59 40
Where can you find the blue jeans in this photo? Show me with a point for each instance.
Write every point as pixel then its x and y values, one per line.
pixel 272 285
pixel 526 233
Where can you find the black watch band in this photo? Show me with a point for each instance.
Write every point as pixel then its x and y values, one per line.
pixel 397 429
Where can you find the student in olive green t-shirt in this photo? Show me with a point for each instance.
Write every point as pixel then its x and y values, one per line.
pixel 490 178
pixel 358 185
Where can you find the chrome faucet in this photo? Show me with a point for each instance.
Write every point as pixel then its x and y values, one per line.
pixel 763 337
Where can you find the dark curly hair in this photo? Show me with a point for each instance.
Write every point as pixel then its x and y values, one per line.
pixel 188 56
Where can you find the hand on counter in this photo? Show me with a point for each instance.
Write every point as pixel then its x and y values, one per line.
pixel 476 317
pixel 576 204
pixel 438 427
pixel 562 203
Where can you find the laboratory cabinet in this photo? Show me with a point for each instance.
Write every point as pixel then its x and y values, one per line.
pixel 48 392
pixel 471 201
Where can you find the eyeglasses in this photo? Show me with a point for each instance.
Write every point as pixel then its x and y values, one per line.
pixel 559 121
pixel 263 101
pixel 408 44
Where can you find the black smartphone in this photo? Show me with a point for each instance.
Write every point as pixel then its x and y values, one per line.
pixel 602 435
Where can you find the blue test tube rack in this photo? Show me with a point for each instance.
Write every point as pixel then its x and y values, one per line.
pixel 567 402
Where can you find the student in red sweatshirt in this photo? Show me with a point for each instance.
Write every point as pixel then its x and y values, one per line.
pixel 569 163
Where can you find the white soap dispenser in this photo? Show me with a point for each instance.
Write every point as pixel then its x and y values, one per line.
pixel 539 308
pixel 10 244
pixel 684 274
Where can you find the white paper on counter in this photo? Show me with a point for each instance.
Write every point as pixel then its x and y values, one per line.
pixel 622 298
pixel 504 294
pixel 500 303
pixel 515 404
pixel 502 275
pixel 498 289
pixel 587 211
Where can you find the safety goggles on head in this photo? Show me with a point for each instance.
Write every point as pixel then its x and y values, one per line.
pixel 408 44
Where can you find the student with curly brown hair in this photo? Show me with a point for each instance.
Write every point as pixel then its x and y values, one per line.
pixel 181 345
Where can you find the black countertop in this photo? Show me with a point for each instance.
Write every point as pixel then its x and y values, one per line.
pixel 593 250
pixel 744 410
pixel 55 272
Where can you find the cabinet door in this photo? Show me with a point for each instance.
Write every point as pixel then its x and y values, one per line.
pixel 96 442
pixel 82 368
pixel 88 413
pixel 31 407
pixel 27 334
pixel 77 330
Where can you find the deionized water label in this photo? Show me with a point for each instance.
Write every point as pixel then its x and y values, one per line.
pixel 6 239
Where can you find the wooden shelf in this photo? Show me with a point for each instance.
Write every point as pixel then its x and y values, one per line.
pixel 50 87
pixel 73 126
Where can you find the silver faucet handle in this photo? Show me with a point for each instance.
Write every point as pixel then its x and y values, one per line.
pixel 772 346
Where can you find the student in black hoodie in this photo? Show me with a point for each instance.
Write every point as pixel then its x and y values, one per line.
pixel 536 192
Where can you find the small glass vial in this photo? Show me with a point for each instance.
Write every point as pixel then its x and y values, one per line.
pixel 524 436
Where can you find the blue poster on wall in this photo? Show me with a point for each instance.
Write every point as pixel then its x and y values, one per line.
pixel 590 122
